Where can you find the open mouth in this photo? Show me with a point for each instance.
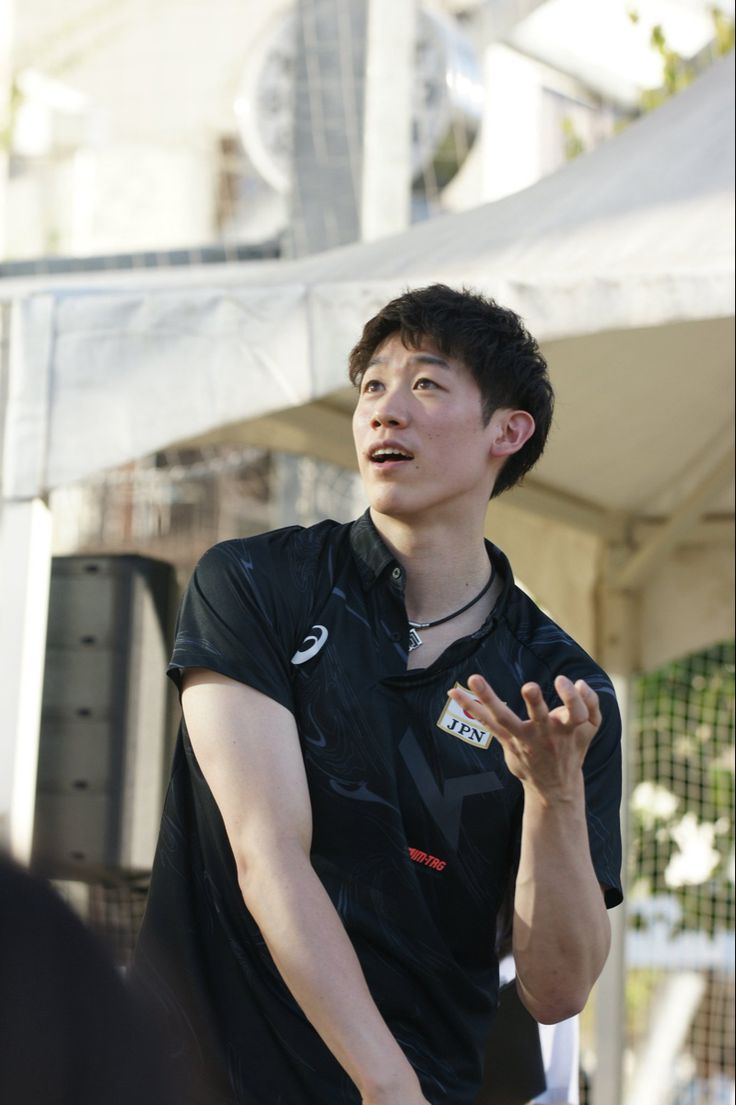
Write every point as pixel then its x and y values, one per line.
pixel 386 453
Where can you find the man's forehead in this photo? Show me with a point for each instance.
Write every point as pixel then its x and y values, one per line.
pixel 425 351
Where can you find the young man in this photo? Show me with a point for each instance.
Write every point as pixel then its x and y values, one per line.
pixel 379 728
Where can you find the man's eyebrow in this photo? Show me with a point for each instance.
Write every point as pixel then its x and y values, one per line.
pixel 419 357
pixel 431 358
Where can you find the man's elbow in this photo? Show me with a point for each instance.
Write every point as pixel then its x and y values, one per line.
pixel 559 1008
pixel 557 999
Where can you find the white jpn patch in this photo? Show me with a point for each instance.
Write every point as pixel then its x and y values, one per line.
pixel 461 724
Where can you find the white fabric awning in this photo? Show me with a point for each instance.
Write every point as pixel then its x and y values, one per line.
pixel 635 235
pixel 621 264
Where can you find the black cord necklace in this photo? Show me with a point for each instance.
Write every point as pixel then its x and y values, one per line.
pixel 415 640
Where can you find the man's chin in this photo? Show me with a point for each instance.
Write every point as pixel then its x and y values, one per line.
pixel 395 505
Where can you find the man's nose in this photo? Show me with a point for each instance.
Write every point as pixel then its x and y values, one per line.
pixel 389 411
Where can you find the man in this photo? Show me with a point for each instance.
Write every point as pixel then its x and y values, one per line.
pixel 378 728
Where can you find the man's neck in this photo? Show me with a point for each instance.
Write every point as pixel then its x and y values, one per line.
pixel 446 565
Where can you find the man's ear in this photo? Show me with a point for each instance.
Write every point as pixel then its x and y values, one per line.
pixel 513 430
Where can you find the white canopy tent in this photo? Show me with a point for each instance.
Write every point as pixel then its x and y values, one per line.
pixel 622 266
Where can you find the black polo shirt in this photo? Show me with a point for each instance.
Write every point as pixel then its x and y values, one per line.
pixel 416 817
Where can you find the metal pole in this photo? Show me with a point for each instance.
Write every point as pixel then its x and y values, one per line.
pixel 677 1003
pixel 25 563
pixel 6 85
pixel 386 184
pixel 351 173
pixel 25 571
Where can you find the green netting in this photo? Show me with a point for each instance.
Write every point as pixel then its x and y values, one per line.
pixel 681 873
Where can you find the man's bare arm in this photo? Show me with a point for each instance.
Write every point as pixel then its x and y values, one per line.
pixel 561 932
pixel 248 749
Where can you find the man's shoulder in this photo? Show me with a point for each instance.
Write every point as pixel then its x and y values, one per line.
pixel 276 551
pixel 548 645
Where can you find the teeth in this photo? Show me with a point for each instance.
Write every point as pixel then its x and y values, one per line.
pixel 389 453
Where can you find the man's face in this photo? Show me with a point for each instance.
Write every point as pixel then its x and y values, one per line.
pixel 419 433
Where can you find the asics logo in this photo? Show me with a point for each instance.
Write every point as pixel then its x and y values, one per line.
pixel 311 645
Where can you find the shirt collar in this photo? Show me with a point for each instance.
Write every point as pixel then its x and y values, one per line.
pixel 370 552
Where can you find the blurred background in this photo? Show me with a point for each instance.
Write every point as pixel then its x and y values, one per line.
pixel 166 163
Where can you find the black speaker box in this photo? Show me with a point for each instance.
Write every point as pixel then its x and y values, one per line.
pixel 105 721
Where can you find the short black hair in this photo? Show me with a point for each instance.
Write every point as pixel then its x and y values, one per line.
pixel 490 340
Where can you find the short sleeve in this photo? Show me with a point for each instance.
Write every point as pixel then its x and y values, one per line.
pixel 240 615
pixel 602 774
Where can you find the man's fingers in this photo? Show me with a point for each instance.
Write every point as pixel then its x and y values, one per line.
pixel 580 703
pixel 536 707
pixel 577 710
pixel 490 710
pixel 579 699
pixel 590 698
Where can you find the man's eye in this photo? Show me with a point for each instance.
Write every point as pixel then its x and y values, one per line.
pixel 424 383
pixel 370 385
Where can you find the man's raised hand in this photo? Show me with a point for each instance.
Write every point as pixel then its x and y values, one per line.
pixel 545 751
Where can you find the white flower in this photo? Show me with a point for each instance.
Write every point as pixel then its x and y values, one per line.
pixel 696 859
pixel 653 802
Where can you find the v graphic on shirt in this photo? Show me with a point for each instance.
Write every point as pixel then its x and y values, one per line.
pixel 445 805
